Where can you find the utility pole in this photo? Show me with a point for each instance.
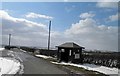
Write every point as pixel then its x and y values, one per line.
pixel 49 37
pixel 9 40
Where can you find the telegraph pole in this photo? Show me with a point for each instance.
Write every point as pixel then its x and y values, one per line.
pixel 9 40
pixel 49 37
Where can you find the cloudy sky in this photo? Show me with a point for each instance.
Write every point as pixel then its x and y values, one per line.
pixel 93 25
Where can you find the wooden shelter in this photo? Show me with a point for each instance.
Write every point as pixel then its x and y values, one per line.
pixel 70 52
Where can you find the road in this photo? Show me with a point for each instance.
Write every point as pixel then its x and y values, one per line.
pixel 33 65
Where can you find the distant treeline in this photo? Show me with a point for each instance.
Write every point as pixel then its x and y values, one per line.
pixel 109 59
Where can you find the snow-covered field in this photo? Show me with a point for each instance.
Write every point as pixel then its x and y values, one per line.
pixel 101 69
pixel 9 65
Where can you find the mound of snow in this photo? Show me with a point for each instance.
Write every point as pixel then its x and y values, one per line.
pixel 2 49
pixel 22 50
pixel 8 66
pixel 43 56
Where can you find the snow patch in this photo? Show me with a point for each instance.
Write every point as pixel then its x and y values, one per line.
pixel 9 66
pixel 101 69
pixel 43 56
pixel 1 49
pixel 23 50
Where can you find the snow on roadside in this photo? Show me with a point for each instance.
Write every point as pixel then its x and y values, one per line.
pixel 12 68
pixel 10 64
pixel 23 50
pixel 2 49
pixel 101 69
pixel 43 56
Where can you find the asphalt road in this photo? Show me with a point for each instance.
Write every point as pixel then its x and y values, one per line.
pixel 33 65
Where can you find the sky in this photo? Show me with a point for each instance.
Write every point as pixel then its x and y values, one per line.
pixel 93 25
